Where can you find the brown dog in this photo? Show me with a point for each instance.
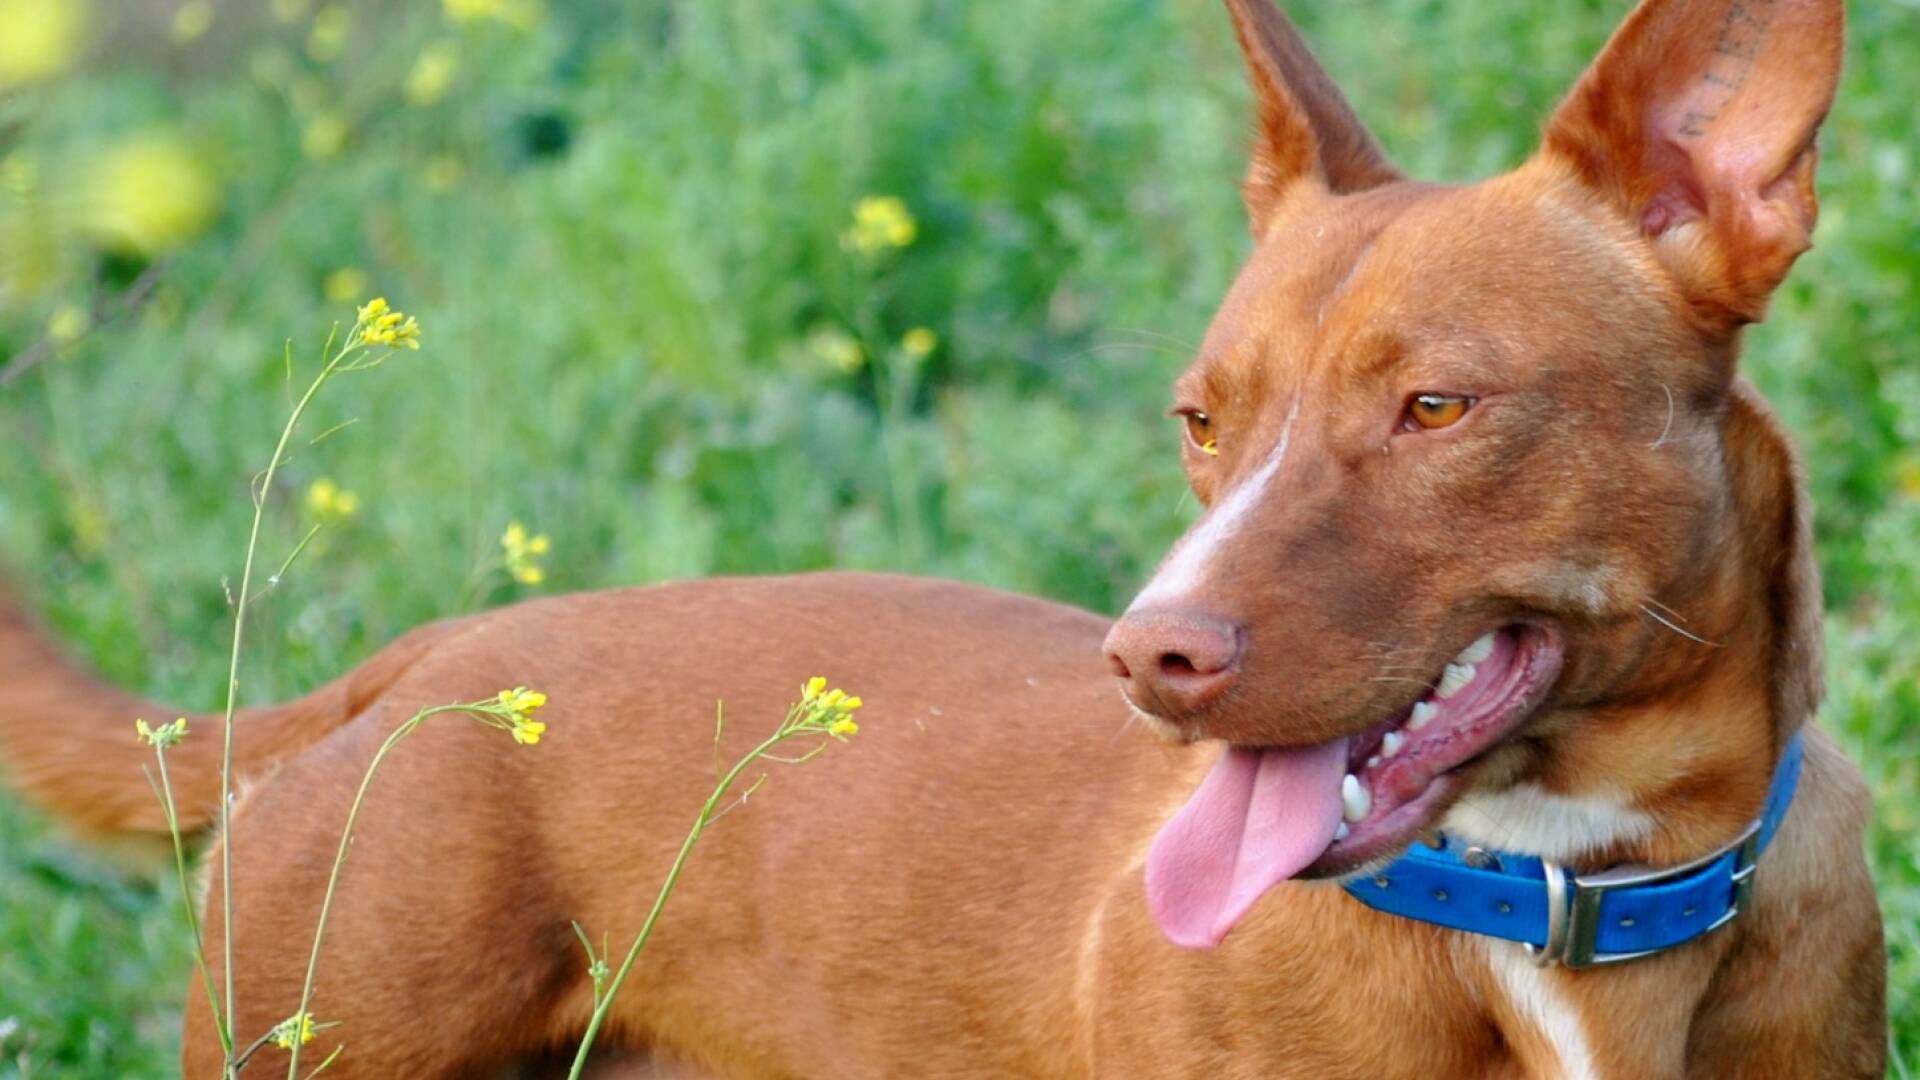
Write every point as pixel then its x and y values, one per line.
pixel 1498 543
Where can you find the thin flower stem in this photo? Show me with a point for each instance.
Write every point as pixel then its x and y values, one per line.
pixel 186 899
pixel 802 759
pixel 332 431
pixel 295 553
pixel 233 680
pixel 785 732
pixel 742 800
pixel 596 962
pixel 240 1060
pixel 317 1069
pixel 340 860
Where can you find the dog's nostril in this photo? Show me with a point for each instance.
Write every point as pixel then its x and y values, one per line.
pixel 1177 665
pixel 1119 666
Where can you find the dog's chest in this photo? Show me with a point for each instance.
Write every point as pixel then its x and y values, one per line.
pixel 1542 1022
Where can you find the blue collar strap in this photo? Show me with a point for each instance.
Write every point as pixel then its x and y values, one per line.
pixel 1585 920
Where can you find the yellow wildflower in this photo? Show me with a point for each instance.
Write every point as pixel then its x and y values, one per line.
pixel 331 27
pixel 328 501
pixel 521 699
pixel 324 135
pixel 67 323
pixel 42 38
pixel 191 20
pixel 432 73
pixel 378 324
pixel 519 14
pixel 919 342
pixel 829 710
pixel 163 736
pixel 880 222
pixel 401 333
pixel 296 1028
pixel 148 193
pixel 1906 473
pixel 523 552
pixel 471 10
pixel 519 704
pixel 837 348
pixel 91 527
pixel 344 284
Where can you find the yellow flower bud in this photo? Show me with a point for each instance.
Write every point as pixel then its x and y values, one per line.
pixel 919 342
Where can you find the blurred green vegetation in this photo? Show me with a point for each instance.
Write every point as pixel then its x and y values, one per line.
pixel 653 335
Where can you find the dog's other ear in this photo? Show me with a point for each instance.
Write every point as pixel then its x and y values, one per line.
pixel 1698 122
pixel 1306 129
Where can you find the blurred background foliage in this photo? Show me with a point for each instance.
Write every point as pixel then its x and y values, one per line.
pixel 742 286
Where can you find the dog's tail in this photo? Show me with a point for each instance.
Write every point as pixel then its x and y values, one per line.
pixel 67 741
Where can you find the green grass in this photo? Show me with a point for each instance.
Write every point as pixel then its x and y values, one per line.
pixel 619 293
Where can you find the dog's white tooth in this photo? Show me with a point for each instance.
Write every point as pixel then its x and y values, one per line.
pixel 1373 762
pixel 1455 679
pixel 1390 745
pixel 1341 832
pixel 1354 800
pixel 1421 716
pixel 1478 651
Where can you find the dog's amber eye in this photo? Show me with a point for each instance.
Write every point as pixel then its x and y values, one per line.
pixel 1430 411
pixel 1200 430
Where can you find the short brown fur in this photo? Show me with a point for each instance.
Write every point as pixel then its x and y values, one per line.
pixel 959 893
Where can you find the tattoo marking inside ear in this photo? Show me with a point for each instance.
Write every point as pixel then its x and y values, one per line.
pixel 1734 52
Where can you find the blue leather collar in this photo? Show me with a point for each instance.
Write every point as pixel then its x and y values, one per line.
pixel 1585 920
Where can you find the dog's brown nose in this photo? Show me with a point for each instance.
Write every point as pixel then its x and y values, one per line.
pixel 1172 662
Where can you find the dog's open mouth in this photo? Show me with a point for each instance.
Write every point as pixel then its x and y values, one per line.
pixel 1266 814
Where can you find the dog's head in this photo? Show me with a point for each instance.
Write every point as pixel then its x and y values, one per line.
pixel 1464 451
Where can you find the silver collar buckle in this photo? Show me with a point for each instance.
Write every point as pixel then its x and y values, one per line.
pixel 1573 902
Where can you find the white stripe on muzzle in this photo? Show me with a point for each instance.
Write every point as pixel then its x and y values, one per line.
pixel 1185 566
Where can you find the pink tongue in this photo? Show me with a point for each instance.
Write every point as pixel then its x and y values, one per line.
pixel 1257 819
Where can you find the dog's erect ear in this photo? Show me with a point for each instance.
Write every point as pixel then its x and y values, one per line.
pixel 1698 122
pixel 1306 130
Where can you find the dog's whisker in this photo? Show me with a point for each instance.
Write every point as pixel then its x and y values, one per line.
pixel 1110 346
pixel 1655 444
pixel 1498 833
pixel 1167 340
pixel 1666 609
pixel 1662 620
